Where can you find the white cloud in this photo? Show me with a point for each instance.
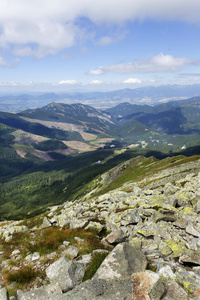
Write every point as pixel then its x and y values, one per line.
pixel 132 80
pixel 159 63
pixel 105 40
pixel 96 82
pixel 52 26
pixel 3 62
pixel 70 82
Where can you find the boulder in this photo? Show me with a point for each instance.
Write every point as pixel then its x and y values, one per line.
pixel 94 226
pixel 45 292
pixel 121 262
pixel 185 279
pixel 147 285
pixel 173 291
pixel 46 223
pixel 66 272
pixel 4 294
pixel 99 289
pixel 72 251
pixel 116 237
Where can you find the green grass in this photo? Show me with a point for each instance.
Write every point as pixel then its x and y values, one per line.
pixel 95 263
pixel 23 275
pixel 49 239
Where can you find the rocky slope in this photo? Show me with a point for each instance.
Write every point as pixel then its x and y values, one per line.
pixel 149 228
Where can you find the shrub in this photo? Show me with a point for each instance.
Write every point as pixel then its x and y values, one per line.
pixel 23 275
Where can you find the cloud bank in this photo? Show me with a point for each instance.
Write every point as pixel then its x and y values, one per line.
pixel 159 63
pixel 39 28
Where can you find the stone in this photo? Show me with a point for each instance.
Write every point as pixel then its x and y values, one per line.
pixel 66 243
pixel 160 216
pixel 99 289
pixel 76 223
pixel 79 240
pixel 147 285
pixel 186 280
pixel 181 223
pixel 192 231
pixel 4 294
pixel 66 272
pixel 165 249
pixel 116 237
pixel 95 226
pixel 35 256
pixel 12 229
pixel 45 292
pixel 192 257
pixel 85 259
pixel 15 252
pixel 122 261
pixel 173 291
pixel 46 223
pixel 166 273
pixel 72 251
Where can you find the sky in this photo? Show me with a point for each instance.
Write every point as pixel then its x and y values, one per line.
pixel 90 45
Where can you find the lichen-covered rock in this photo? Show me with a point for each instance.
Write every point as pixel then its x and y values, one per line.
pixel 173 291
pixel 66 272
pixel 12 229
pixel 94 226
pixel 192 257
pixel 147 285
pixel 76 223
pixel 99 290
pixel 186 280
pixel 121 262
pixel 45 292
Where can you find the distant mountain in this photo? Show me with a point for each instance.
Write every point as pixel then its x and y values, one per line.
pixel 175 117
pixel 151 95
pixel 74 114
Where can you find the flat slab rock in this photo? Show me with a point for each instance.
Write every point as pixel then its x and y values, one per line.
pixel 49 291
pixel 99 289
pixel 121 262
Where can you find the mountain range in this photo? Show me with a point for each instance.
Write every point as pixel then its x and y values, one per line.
pixel 150 95
pixel 43 148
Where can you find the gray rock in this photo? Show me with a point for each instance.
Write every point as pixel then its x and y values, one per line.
pixel 99 290
pixel 166 273
pixel 173 291
pixel 191 257
pixel 116 237
pixel 45 292
pixel 35 256
pixel 72 251
pixel 147 285
pixel 96 226
pixel 181 223
pixel 76 223
pixel 4 294
pixel 66 272
pixel 46 223
pixel 186 280
pixel 192 231
pixel 66 243
pixel 121 262
pixel 85 259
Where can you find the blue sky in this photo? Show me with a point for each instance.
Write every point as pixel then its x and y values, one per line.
pixel 88 45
